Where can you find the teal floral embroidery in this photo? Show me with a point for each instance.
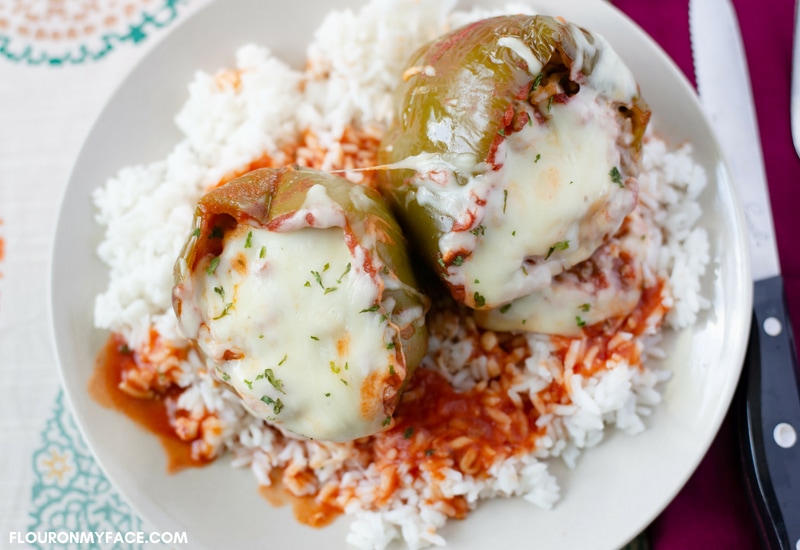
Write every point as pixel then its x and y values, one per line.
pixel 70 492
pixel 61 32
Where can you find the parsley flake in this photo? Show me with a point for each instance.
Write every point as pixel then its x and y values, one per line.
pixel 480 230
pixel 212 267
pixel 249 241
pixel 408 433
pixel 249 383
pixel 480 301
pixel 505 308
pixel 387 420
pixel 537 80
pixel 318 278
pixel 277 405
pixel 196 232
pixel 225 377
pixel 216 233
pixel 458 261
pixel 263 252
pixel 219 290
pixel 274 382
pixel 580 322
pixel 225 311
pixel 346 271
pixel 561 245
pixel 371 309
pixel 505 199
pixel 616 177
pixel 585 307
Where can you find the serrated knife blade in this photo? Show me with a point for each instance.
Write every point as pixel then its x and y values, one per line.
pixel 769 398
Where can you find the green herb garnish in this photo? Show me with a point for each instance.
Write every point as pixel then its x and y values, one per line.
pixel 480 230
pixel 225 311
pixel 346 271
pixel 274 382
pixel 561 245
pixel 277 405
pixel 616 177
pixel 212 267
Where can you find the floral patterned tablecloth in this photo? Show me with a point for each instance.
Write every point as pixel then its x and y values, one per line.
pixel 59 62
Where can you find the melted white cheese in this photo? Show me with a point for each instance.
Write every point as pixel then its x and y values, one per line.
pixel 301 305
pixel 572 302
pixel 553 198
pixel 552 191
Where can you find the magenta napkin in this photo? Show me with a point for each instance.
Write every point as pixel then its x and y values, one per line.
pixel 712 510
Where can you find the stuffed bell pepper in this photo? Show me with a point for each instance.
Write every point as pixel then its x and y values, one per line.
pixel 296 286
pixel 513 154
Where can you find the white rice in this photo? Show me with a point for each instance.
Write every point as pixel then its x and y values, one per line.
pixel 146 212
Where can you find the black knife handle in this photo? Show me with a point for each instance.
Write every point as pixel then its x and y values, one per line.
pixel 772 418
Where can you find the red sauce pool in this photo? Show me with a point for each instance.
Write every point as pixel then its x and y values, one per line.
pixel 306 509
pixel 151 414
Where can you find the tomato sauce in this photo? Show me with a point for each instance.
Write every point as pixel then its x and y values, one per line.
pixel 151 414
pixel 307 510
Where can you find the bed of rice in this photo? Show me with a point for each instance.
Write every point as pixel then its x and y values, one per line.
pixel 331 116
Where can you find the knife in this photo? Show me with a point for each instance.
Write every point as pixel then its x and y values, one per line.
pixel 769 389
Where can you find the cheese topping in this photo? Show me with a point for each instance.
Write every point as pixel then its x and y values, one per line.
pixel 292 321
pixel 608 285
pixel 552 202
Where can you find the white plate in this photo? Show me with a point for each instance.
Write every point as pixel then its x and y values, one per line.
pixel 618 487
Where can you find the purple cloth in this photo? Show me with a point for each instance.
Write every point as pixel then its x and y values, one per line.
pixel 712 510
